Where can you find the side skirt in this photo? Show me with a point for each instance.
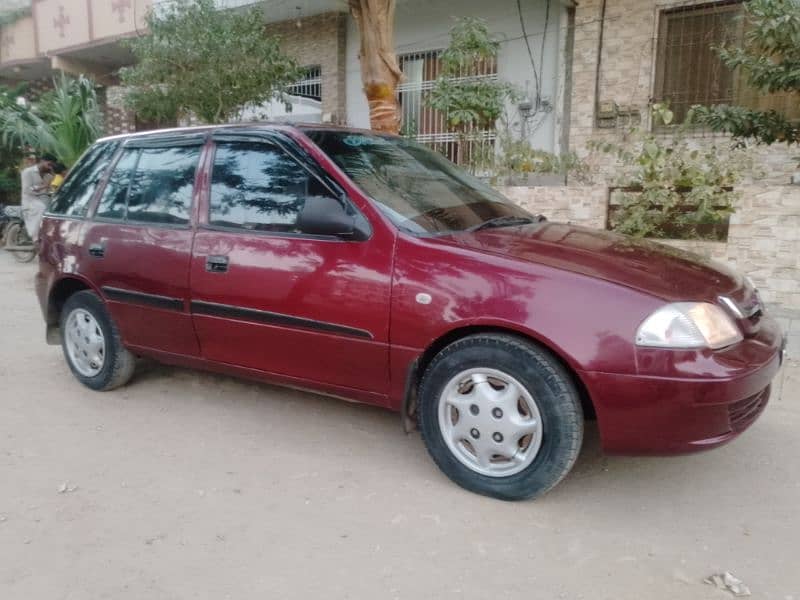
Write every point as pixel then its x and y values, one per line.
pixel 304 385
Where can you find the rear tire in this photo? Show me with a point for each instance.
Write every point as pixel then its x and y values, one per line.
pixel 100 362
pixel 500 416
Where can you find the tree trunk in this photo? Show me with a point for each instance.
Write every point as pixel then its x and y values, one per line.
pixel 380 72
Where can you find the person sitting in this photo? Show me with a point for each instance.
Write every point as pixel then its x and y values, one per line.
pixel 35 182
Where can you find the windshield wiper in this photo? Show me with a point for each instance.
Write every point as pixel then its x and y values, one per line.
pixel 507 221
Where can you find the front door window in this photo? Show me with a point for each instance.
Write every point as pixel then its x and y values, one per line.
pixel 258 187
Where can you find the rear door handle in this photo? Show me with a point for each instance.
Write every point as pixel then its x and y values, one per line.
pixel 97 250
pixel 217 264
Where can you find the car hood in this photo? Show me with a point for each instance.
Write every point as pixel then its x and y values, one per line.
pixel 653 268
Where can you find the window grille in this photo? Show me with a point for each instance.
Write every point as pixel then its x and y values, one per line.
pixel 429 126
pixel 689 70
pixel 310 85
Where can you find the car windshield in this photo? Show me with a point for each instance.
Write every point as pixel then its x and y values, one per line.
pixel 418 189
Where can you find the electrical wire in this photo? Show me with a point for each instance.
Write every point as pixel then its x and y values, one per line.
pixel 541 54
pixel 599 59
pixel 537 84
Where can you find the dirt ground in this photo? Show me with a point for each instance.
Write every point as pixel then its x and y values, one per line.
pixel 190 485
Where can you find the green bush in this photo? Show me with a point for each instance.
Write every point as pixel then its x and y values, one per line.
pixel 517 157
pixel 667 188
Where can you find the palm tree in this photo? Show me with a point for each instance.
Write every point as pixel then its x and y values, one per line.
pixel 64 122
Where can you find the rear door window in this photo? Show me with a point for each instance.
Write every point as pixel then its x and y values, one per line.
pixel 151 185
pixel 161 189
pixel 72 200
pixel 114 200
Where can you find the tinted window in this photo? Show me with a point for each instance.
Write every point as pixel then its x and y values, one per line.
pixel 161 190
pixel 257 186
pixel 112 203
pixel 74 196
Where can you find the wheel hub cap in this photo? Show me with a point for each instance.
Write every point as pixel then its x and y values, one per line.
pixel 490 422
pixel 86 345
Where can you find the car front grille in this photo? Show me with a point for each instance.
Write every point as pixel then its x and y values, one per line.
pixel 744 412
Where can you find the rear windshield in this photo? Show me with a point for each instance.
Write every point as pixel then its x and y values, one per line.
pixel 417 188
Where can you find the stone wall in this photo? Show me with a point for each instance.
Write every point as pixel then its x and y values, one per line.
pixel 764 236
pixel 581 205
pixel 319 40
pixel 763 240
pixel 38 87
pixel 117 118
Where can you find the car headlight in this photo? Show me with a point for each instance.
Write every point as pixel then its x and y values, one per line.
pixel 688 325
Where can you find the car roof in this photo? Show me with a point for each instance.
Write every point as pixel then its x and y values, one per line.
pixel 256 127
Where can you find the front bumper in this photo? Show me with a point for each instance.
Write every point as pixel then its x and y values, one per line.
pixel 690 411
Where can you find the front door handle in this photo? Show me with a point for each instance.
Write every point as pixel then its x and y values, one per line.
pixel 217 264
pixel 97 250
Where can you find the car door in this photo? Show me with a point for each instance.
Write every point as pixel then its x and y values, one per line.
pixel 139 240
pixel 268 297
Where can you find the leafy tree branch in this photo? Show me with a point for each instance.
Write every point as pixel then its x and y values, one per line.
pixel 198 60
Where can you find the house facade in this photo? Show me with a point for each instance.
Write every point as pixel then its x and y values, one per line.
pixel 85 36
pixel 629 54
pixel 586 70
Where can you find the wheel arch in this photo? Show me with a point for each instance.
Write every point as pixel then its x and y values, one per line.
pixel 418 366
pixel 58 296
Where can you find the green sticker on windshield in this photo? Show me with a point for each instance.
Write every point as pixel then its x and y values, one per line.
pixel 356 141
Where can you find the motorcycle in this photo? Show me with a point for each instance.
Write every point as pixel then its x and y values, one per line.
pixel 15 236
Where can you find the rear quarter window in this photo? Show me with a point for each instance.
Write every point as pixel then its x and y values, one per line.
pixel 73 199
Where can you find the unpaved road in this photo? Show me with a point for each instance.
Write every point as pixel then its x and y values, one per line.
pixel 192 485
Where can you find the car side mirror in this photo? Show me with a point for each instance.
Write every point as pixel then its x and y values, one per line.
pixel 323 215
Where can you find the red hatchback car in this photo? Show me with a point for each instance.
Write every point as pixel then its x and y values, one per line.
pixel 368 267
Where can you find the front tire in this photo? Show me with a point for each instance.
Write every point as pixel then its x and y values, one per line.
pixel 92 344
pixel 500 416
pixel 17 237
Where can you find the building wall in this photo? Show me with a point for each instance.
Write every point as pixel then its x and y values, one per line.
pixel 38 87
pixel 764 237
pixel 111 18
pixel 425 24
pixel 627 76
pixel 18 41
pixel 319 40
pixel 61 25
pixel 117 118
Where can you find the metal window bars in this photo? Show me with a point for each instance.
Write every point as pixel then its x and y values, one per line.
pixel 422 123
pixel 310 85
pixel 689 69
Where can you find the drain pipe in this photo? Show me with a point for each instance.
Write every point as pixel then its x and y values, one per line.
pixel 599 59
